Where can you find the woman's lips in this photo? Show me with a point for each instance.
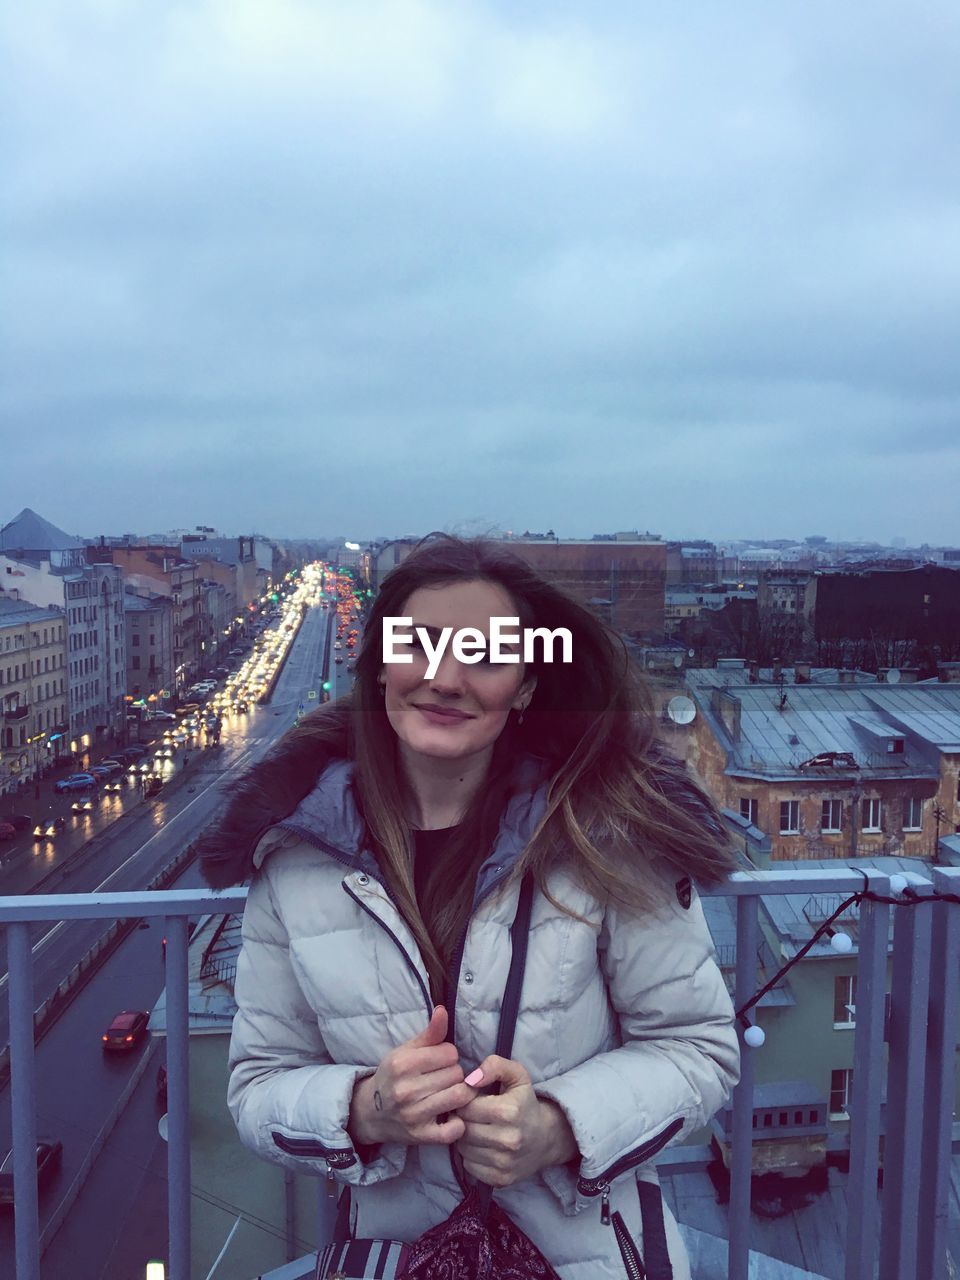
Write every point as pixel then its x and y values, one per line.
pixel 443 717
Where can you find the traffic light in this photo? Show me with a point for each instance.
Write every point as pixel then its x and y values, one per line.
pixel 326 686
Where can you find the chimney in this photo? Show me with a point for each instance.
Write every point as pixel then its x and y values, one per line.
pixel 801 672
pixel 846 676
pixel 948 672
pixel 909 675
pixel 776 674
pixel 754 670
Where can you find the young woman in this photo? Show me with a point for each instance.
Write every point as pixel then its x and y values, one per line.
pixel 386 838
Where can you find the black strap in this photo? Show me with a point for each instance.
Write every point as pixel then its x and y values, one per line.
pixel 656 1254
pixel 510 1007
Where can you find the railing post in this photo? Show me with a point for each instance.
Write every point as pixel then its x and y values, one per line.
pixel 178 1097
pixel 862 1205
pixel 23 1101
pixel 741 1150
pixel 939 1085
pixel 903 1154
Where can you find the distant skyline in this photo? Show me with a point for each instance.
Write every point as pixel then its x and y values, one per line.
pixel 303 265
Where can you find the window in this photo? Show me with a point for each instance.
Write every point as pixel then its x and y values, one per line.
pixel 789 817
pixel 135 663
pixel 844 1001
pixel 871 815
pixel 841 1091
pixel 135 641
pixel 831 815
pixel 913 814
pixel 748 810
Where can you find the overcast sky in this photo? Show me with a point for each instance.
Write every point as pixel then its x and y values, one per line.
pixel 375 268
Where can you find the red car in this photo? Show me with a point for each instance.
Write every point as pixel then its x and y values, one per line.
pixel 7 831
pixel 126 1030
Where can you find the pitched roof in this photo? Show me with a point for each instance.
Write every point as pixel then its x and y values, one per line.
pixel 30 532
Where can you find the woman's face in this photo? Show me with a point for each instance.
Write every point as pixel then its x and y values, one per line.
pixel 476 697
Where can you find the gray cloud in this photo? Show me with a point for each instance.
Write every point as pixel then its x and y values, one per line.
pixel 385 266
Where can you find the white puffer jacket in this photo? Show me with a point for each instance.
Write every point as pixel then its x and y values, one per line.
pixel 625 1023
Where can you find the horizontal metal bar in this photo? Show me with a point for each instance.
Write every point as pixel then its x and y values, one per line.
pixel 117 906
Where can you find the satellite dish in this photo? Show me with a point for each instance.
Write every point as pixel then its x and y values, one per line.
pixel 678 660
pixel 691 653
pixel 682 710
pixel 162 1127
pixel 893 676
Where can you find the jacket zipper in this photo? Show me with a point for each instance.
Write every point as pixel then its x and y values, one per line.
pixel 336 854
pixel 601 1185
pixel 311 1148
pixel 628 1250
pixel 403 951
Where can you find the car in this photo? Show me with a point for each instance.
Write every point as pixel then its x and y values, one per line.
pixel 19 821
pixel 126 1030
pixel 338 660
pixel 49 1159
pixel 188 709
pixel 7 831
pixel 152 785
pixel 76 782
pixel 100 772
pixel 113 764
pixel 162 715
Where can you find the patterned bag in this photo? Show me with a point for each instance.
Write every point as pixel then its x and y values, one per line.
pixel 478 1241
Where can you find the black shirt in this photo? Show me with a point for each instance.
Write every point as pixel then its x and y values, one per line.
pixel 428 846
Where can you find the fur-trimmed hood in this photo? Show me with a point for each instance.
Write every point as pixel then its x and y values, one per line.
pixel 313 790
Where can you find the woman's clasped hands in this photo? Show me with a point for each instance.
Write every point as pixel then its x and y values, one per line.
pixel 418 1094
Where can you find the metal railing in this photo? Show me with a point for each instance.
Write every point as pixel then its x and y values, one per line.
pixel 917 1116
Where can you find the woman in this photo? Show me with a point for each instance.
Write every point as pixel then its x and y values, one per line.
pixel 386 838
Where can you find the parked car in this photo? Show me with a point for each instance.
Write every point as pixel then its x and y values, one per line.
pixel 115 766
pixel 49 1159
pixel 152 785
pixel 19 821
pixel 133 752
pixel 100 772
pixel 126 1030
pixel 7 831
pixel 76 782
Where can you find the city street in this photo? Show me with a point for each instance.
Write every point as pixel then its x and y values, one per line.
pixel 77 1084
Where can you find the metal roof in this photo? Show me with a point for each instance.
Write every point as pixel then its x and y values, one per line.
pixel 795 917
pixel 777 737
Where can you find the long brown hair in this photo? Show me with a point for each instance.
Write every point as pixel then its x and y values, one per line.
pixel 620 814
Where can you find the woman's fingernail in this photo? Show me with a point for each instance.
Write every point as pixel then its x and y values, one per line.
pixel 474 1078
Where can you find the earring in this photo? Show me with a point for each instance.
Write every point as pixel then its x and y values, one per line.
pixel 520 717
pixel 383 688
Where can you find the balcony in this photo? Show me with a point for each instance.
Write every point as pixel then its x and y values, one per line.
pixel 908 1219
pixel 17 713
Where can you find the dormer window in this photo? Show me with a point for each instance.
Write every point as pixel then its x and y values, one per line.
pixel 895 746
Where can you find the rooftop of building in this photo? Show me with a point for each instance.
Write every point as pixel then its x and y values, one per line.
pixel 30 532
pixel 818 730
pixel 14 613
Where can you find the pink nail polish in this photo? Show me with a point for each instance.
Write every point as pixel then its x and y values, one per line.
pixel 474 1078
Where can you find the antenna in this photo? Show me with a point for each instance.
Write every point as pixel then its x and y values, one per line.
pixel 682 710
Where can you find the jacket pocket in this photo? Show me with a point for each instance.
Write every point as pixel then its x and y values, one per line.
pixel 600 1186
pixel 312 1149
